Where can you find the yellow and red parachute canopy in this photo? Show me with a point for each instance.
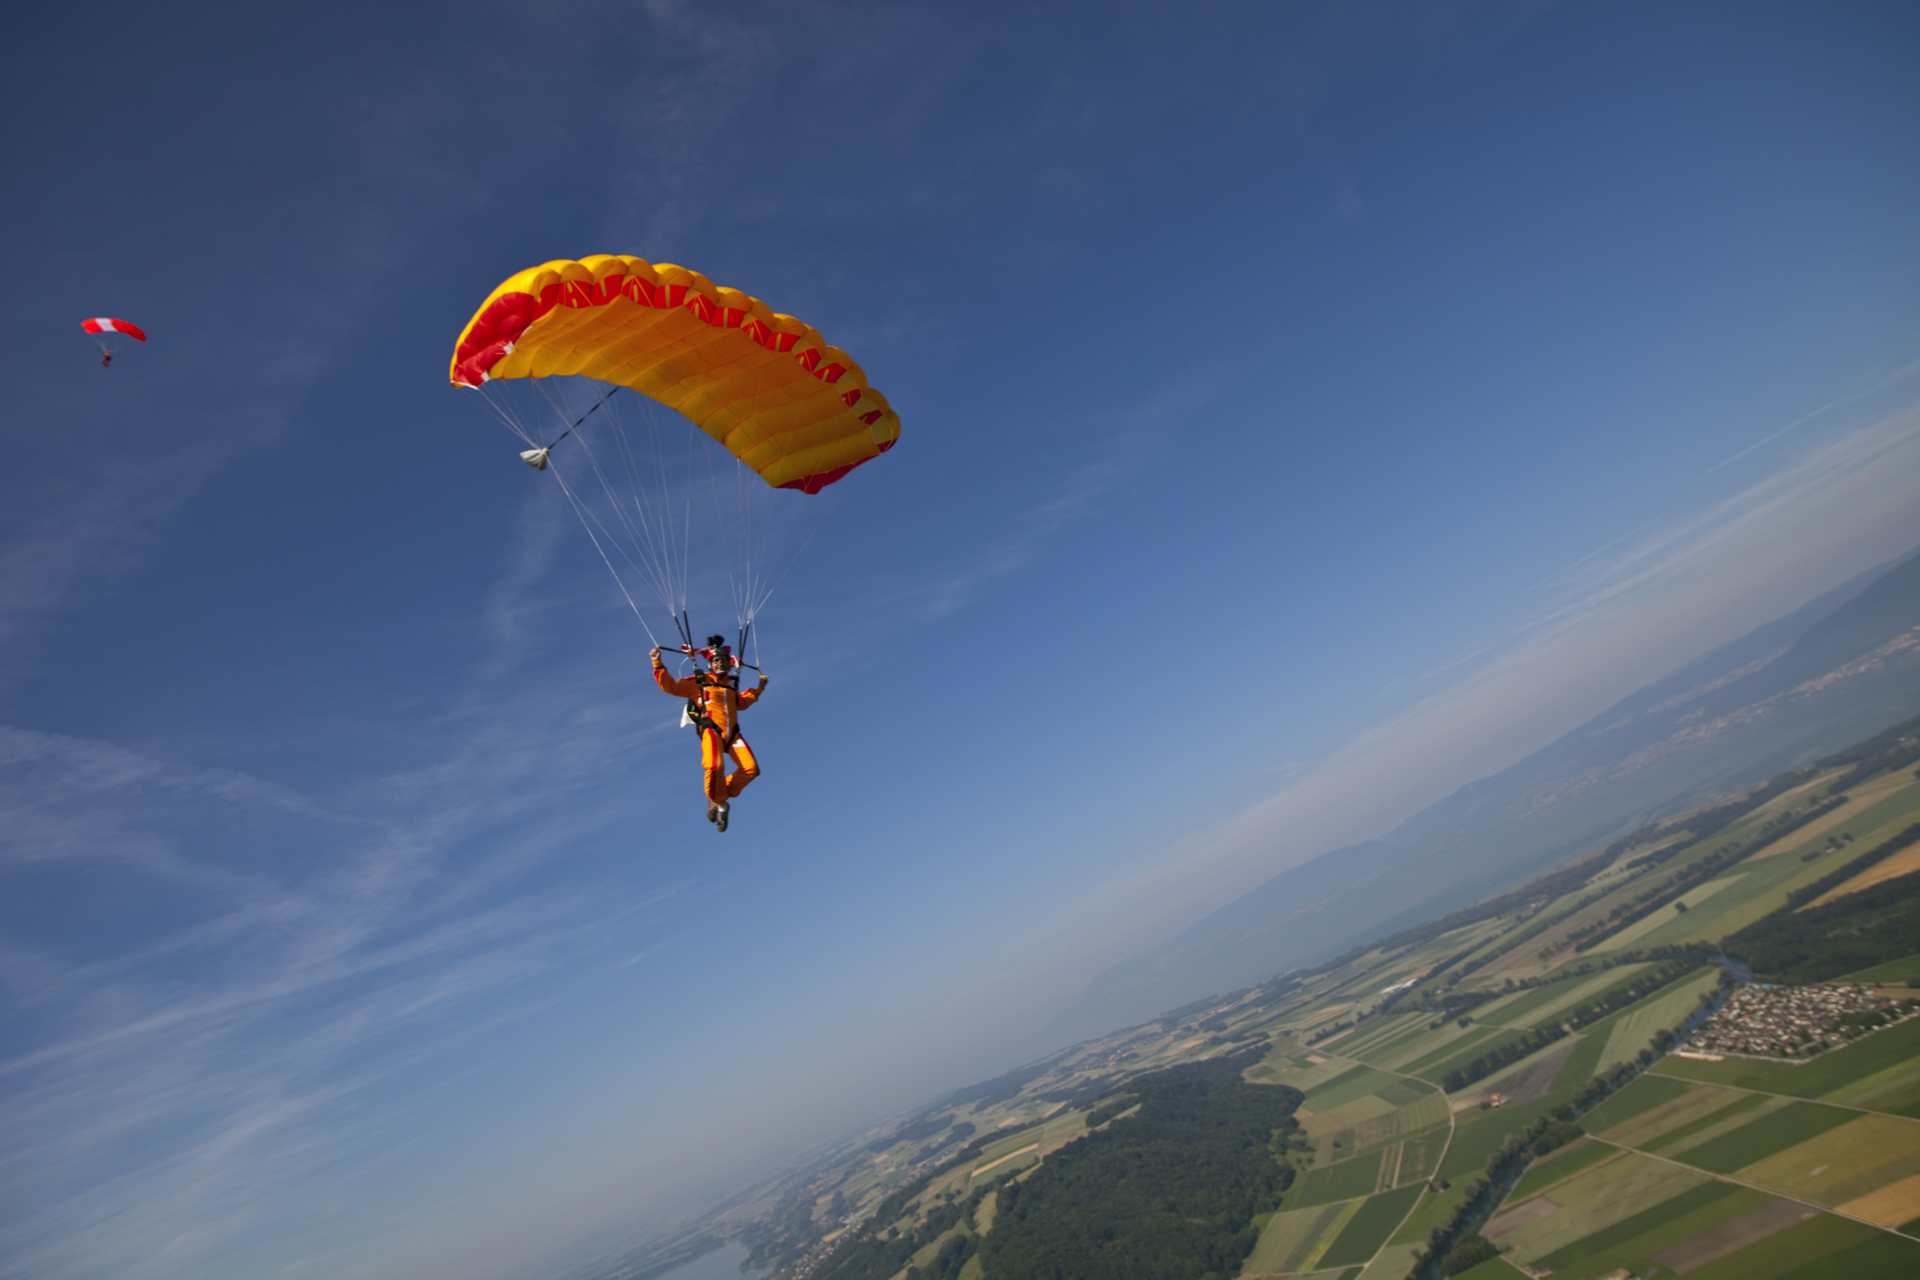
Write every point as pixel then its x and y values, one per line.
pixel 766 386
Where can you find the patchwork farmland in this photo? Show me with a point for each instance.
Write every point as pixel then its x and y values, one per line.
pixel 1492 1095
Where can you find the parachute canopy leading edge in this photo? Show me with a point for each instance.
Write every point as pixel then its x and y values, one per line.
pixel 796 411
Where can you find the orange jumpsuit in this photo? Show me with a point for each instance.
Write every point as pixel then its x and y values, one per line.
pixel 721 704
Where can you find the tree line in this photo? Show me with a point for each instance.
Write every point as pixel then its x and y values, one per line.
pixel 1870 927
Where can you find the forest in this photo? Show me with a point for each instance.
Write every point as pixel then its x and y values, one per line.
pixel 1815 944
pixel 1168 1192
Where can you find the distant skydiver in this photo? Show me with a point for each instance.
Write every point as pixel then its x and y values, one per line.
pixel 714 703
pixel 107 332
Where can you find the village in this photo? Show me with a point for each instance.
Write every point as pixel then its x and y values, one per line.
pixel 1795 1023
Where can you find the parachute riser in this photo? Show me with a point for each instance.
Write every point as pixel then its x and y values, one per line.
pixel 706 654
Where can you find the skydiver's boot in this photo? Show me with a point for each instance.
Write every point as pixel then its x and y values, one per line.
pixel 713 812
pixel 720 819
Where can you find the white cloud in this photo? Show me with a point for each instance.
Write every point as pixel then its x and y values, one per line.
pixel 1620 621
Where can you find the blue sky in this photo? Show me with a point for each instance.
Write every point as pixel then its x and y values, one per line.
pixel 1307 408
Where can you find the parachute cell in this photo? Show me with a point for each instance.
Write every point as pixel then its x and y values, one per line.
pixel 795 410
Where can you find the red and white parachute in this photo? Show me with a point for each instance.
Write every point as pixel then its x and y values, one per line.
pixel 109 333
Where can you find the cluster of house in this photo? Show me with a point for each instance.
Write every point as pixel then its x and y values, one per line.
pixel 1793 1022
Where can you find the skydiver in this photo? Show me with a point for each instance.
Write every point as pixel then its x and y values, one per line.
pixel 714 703
pixel 106 358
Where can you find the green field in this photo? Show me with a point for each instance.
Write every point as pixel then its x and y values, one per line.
pixel 1893 971
pixel 1491 1269
pixel 1580 1154
pixel 1752 887
pixel 1437 1072
pixel 1669 924
pixel 1543 1004
pixel 1632 1242
pixel 1421 1156
pixel 1351 1087
pixel 1777 875
pixel 1584 1062
pixel 1594 1200
pixel 1700 1115
pixel 1429 1212
pixel 1645 1093
pixel 1287 1238
pixel 1393 1263
pixel 1473 1035
pixel 1283 1066
pixel 1633 1027
pixel 1343 1181
pixel 1332 1090
pixel 1009 1144
pixel 1383 1127
pixel 1767 1135
pixel 1370 1227
pixel 1867 1159
pixel 1822 1248
pixel 1369 1045
pixel 1729 1111
pixel 1402 1092
pixel 1480 1133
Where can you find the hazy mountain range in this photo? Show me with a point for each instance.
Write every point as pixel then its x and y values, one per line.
pixel 1829 673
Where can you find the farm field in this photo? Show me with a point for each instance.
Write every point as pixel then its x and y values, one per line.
pixel 1369 1228
pixel 1596 1200
pixel 1636 1213
pixel 1500 1037
pixel 1714 1169
pixel 1878 812
pixel 1724 1114
pixel 1906 862
pixel 1348 1087
pixel 1762 1134
pixel 1544 1004
pixel 1561 1165
pixel 1881 1072
pixel 1633 1028
pixel 1443 1044
pixel 1287 1240
pixel 1893 971
pixel 1706 1177
pixel 1868 1162
pixel 1343 1181
pixel 1670 924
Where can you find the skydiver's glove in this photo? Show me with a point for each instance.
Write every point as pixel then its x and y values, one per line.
pixel 655 656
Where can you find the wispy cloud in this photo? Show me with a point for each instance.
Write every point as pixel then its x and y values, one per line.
pixel 1081 488
pixel 172 1091
pixel 1894 379
pixel 1616 622
pixel 1118 446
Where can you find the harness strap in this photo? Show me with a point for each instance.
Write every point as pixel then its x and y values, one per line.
pixel 697 710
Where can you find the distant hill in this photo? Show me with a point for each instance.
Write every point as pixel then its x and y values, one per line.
pixel 1827 674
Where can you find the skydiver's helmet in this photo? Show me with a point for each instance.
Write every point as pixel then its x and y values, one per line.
pixel 719 656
